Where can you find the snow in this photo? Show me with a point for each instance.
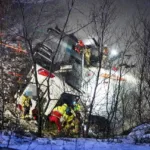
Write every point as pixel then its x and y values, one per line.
pixel 20 142
pixel 140 133
pixel 23 143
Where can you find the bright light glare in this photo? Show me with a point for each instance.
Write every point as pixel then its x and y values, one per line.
pixel 113 53
pixel 88 41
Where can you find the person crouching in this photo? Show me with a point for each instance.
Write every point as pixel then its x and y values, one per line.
pixel 56 116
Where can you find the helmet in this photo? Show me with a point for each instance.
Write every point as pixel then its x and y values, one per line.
pixel 27 93
pixel 74 103
pixel 68 111
pixel 80 42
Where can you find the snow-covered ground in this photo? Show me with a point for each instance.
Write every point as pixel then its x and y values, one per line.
pixel 123 143
pixel 68 144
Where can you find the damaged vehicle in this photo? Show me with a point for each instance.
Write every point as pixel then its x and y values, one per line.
pixel 64 66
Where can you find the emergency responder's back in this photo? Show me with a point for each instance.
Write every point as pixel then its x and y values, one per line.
pixel 61 109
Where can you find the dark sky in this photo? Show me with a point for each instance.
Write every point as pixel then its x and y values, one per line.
pixel 80 15
pixel 126 12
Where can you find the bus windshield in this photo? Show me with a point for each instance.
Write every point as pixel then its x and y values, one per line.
pixel 64 55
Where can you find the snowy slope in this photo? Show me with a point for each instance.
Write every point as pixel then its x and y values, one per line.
pixel 140 134
pixel 120 143
pixel 67 144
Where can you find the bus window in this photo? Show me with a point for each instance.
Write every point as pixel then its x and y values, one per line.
pixel 66 55
pixel 74 78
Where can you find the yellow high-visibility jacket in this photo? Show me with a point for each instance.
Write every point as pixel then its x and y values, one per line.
pixel 61 109
pixel 26 101
pixel 77 107
pixel 87 53
pixel 76 126
pixel 68 118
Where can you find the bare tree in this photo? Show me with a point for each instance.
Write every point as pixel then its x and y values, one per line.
pixel 29 38
pixel 4 11
pixel 141 32
pixel 103 15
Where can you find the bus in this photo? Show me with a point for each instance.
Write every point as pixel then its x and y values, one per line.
pixel 62 69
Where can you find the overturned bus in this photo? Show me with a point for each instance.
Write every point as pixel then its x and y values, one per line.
pixel 61 69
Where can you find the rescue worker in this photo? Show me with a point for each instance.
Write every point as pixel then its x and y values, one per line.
pixel 79 47
pixel 105 56
pixel 77 124
pixel 68 123
pixel 80 43
pixel 87 56
pixel 26 104
pixel 72 123
pixel 57 116
pixel 76 105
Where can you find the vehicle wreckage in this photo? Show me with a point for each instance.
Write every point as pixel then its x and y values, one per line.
pixel 66 70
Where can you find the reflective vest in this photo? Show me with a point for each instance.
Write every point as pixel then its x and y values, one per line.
pixel 87 53
pixel 26 101
pixel 77 107
pixel 61 109
pixel 68 118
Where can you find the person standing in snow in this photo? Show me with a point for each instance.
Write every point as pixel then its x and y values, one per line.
pixel 105 56
pixel 26 104
pixel 87 55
